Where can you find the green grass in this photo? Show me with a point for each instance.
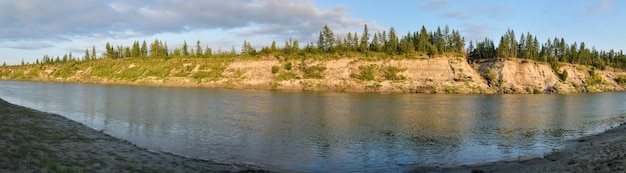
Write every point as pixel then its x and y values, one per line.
pixel 314 72
pixel 285 76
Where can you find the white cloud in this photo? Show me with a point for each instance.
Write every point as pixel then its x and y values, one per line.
pixel 34 20
pixel 603 7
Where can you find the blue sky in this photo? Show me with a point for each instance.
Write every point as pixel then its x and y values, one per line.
pixel 33 28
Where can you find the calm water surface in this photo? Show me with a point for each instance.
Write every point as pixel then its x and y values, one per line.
pixel 336 132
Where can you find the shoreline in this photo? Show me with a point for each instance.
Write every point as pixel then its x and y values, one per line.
pixel 352 75
pixel 603 152
pixel 36 141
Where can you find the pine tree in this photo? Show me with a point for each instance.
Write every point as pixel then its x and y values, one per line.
pixel 363 46
pixel 326 40
pixel 135 51
pixel 86 58
pixel 198 49
pixel 144 49
pixel 207 52
pixel 109 51
pixel 392 44
pixel 185 49
pixel 424 40
pixel 93 52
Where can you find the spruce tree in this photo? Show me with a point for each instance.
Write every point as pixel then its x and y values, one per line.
pixel 363 46
pixel 185 49
pixel 198 49
pixel 93 52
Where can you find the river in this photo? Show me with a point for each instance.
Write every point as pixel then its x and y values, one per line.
pixel 327 132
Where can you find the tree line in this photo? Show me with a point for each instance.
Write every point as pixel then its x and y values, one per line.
pixel 437 42
pixel 552 51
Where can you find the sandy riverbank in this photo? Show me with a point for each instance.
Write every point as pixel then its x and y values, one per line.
pixel 605 152
pixel 34 141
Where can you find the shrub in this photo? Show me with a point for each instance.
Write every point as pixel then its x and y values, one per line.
pixel 593 78
pixel 366 72
pixel 275 69
pixel 563 75
pixel 621 79
pixel 288 66
pixel 314 72
pixel 285 76
pixel 391 73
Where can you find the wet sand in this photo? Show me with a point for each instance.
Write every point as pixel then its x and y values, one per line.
pixel 34 141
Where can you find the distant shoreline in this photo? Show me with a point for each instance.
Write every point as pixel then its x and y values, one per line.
pixel 442 74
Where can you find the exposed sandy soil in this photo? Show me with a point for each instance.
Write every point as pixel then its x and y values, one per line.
pixel 33 141
pixel 420 75
pixel 605 152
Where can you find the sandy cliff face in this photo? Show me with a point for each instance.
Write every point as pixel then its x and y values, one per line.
pixel 426 75
pixel 435 75
pixel 526 76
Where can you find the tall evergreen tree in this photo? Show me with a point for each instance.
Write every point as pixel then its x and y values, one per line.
pixel 185 49
pixel 93 52
pixel 363 46
pixel 198 49
pixel 144 49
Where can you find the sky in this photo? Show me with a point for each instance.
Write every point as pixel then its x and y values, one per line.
pixel 33 28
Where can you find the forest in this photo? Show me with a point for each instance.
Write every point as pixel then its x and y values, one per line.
pixel 382 44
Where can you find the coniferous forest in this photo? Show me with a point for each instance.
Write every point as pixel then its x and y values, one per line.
pixel 382 44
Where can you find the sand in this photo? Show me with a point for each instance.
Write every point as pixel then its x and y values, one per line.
pixel 34 141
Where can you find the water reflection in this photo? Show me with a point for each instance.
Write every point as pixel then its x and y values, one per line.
pixel 333 132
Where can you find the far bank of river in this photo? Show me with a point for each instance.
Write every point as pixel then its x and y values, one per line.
pixel 417 75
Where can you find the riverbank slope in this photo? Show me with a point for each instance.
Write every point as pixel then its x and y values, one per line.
pixel 442 74
pixel 34 141
pixel 605 152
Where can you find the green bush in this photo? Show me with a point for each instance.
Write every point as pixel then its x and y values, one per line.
pixel 288 66
pixel 366 72
pixel 391 73
pixel 621 79
pixel 314 72
pixel 563 75
pixel 275 69
pixel 285 76
pixel 593 78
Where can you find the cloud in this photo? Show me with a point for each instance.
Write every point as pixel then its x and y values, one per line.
pixel 456 14
pixel 30 45
pixel 434 5
pixel 604 7
pixel 68 19
pixel 475 32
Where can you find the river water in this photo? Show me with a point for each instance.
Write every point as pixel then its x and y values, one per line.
pixel 327 132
